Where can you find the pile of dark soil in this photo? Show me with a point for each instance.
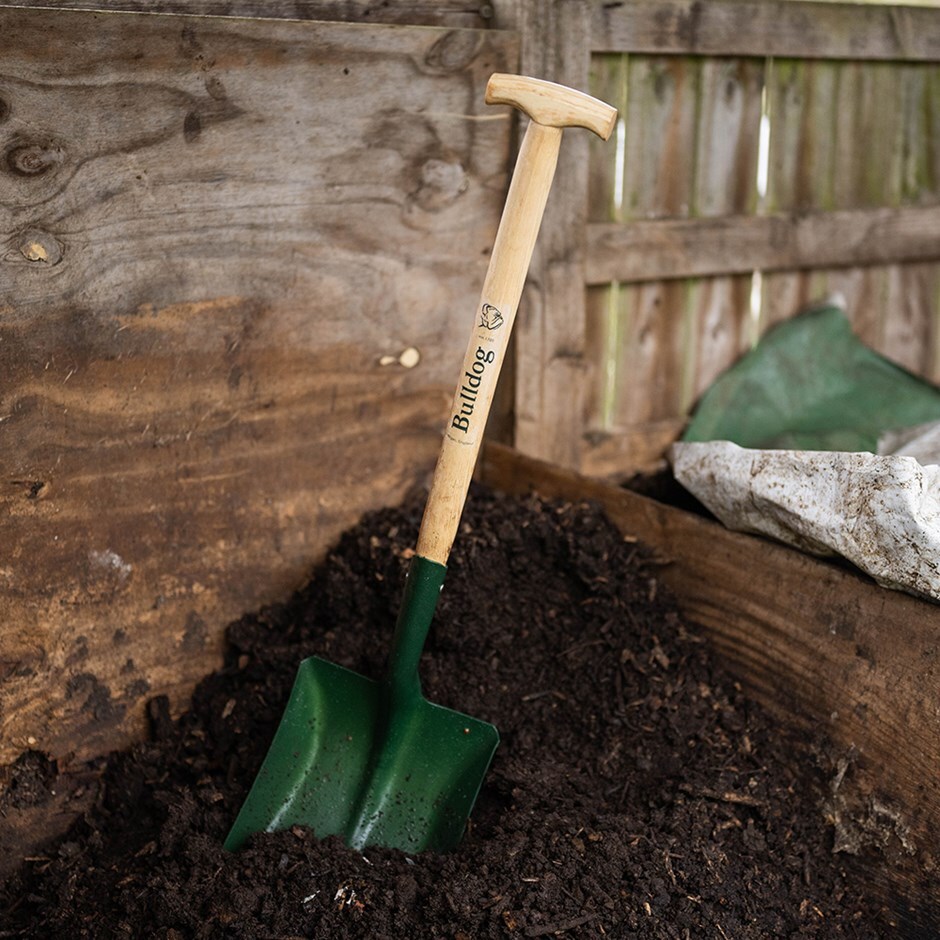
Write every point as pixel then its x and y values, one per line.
pixel 635 793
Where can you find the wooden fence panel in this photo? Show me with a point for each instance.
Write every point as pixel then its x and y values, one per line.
pixel 921 103
pixel 551 375
pixel 639 382
pixel 910 332
pixel 801 102
pixel 779 28
pixel 658 181
pixel 453 13
pixel 726 184
pixel 856 135
pixel 783 241
pixel 689 150
pixel 605 204
pixel 853 175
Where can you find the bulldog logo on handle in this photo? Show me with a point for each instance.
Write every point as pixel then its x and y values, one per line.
pixel 491 318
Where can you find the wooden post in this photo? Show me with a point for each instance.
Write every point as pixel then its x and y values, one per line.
pixel 551 367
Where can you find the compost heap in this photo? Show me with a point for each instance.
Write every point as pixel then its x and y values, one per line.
pixel 635 793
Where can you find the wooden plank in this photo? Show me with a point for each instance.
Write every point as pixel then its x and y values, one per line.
pixel 659 248
pixel 451 13
pixel 921 97
pixel 691 150
pixel 651 362
pixel 551 368
pixel 890 305
pixel 725 181
pixel 623 452
pixel 819 645
pixel 760 28
pixel 719 311
pixel 869 135
pixel 659 181
pixel 219 237
pixel 819 113
pixel 605 204
pixel 911 315
pixel 727 135
pixel 601 344
pixel 801 107
pixel 608 81
pixel 662 94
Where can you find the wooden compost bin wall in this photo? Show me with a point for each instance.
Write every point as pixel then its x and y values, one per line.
pixel 218 237
pixel 821 647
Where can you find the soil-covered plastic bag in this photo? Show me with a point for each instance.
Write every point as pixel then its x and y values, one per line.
pixel 783 445
pixel 880 512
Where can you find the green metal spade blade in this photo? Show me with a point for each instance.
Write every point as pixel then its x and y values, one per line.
pixel 373 762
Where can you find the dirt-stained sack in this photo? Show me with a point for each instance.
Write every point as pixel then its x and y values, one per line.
pixel 882 513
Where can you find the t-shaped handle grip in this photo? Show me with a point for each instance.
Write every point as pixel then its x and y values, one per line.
pixel 551 105
pixel 551 108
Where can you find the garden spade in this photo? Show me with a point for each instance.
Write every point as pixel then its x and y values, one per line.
pixel 371 761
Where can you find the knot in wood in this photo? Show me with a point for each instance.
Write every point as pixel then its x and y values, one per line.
pixel 454 51
pixel 41 247
pixel 34 158
pixel 442 182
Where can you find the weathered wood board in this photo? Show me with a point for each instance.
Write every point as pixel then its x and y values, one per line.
pixel 551 370
pixel 688 152
pixel 857 31
pixel 820 646
pixel 646 250
pixel 217 237
pixel 450 13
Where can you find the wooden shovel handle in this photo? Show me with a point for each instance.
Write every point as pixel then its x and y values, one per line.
pixel 550 107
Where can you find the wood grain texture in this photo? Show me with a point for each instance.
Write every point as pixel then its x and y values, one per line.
pixel 851 214
pixel 718 327
pixel 620 453
pixel 658 248
pixel 608 77
pixel 808 142
pixel 551 367
pixel 659 337
pixel 817 644
pixel 760 28
pixel 218 236
pixel 911 325
pixel 820 111
pixel 465 14
pixel 661 117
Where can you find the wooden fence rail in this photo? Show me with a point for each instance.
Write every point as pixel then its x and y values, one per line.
pixel 663 248
pixel 762 28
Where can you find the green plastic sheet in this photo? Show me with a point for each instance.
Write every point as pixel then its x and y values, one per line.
pixel 811 384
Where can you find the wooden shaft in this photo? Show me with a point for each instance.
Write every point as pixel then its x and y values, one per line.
pixel 509 264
